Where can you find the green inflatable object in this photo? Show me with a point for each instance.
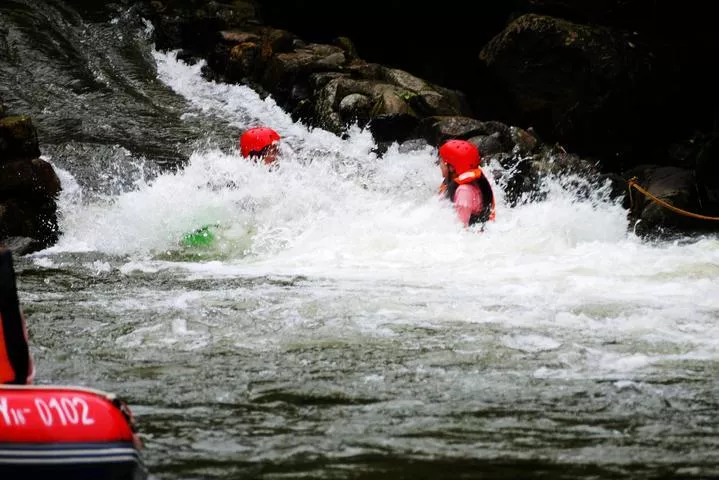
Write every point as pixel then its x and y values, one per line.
pixel 202 237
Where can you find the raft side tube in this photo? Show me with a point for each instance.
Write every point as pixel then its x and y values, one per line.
pixel 78 432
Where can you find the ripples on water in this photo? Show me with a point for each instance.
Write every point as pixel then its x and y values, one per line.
pixel 344 326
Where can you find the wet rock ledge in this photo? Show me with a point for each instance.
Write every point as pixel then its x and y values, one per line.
pixel 28 188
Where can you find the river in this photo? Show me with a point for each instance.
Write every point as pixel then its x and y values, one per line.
pixel 344 325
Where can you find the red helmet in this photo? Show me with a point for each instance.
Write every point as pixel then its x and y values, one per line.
pixel 461 154
pixel 254 140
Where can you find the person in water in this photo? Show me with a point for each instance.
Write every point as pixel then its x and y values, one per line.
pixel 260 143
pixel 16 365
pixel 256 144
pixel 465 184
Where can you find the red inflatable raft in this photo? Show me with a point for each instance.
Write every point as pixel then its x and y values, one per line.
pixel 67 432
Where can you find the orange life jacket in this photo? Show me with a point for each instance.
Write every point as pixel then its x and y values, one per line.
pixel 477 178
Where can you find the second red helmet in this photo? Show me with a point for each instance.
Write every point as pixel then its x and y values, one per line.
pixel 255 139
pixel 461 154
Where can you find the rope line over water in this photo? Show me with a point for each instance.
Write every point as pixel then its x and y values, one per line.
pixel 632 183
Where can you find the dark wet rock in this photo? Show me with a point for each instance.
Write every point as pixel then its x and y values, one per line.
pixel 355 107
pixel 572 81
pixel 348 46
pixel 525 141
pixel 393 127
pixel 23 178
pixel 20 245
pixel 438 129
pixel 672 186
pixel 413 145
pixel 28 189
pixel 617 187
pixel 491 144
pixel 196 24
pixel 18 138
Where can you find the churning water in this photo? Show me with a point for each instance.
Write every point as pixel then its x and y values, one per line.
pixel 344 325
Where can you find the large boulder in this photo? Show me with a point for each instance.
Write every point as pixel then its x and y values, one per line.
pixel 18 138
pixel 591 87
pixel 28 189
pixel 666 202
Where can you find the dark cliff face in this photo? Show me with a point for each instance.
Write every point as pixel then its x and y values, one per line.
pixel 666 87
pixel 441 43
pixel 683 34
pixel 438 42
pixel 661 94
